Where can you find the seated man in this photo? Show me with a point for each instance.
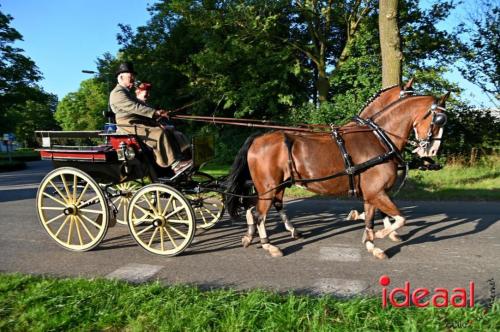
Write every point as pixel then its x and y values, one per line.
pixel 136 118
pixel 142 95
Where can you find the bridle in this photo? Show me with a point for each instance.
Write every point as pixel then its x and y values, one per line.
pixel 438 120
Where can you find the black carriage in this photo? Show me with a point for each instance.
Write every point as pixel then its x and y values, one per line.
pixel 101 179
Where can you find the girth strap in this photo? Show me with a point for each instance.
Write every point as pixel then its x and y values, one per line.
pixel 349 169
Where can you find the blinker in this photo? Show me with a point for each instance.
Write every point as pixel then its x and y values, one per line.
pixel 439 119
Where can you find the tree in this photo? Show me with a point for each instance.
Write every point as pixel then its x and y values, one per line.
pixel 390 43
pixel 83 110
pixel 482 54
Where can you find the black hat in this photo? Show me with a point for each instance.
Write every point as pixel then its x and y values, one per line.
pixel 126 67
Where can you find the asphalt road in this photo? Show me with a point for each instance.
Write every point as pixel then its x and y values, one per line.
pixel 446 244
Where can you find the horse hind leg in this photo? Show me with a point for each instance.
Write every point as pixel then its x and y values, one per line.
pixel 248 237
pixel 393 235
pixel 368 235
pixel 385 204
pixel 278 205
pixel 262 209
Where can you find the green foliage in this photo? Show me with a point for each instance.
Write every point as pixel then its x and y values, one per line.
pixel 83 110
pixel 35 303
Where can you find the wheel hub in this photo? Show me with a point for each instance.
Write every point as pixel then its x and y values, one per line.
pixel 71 210
pixel 159 222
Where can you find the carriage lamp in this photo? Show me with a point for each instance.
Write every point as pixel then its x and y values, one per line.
pixel 125 152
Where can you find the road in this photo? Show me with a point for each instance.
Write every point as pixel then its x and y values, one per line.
pixel 446 244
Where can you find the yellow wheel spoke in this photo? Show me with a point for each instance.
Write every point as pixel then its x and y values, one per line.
pixel 54 199
pixel 70 229
pixel 82 193
pixel 61 227
pixel 171 238
pixel 145 211
pixel 210 212
pixel 158 203
pixel 152 237
pixel 177 231
pixel 75 188
pixel 65 186
pixel 54 219
pixel 92 211
pixel 78 231
pixel 203 217
pixel 167 206
pixel 174 212
pixel 91 221
pixel 178 221
pixel 145 229
pixel 151 206
pixel 85 228
pixel 161 239
pixel 58 191
pixel 140 220
pixel 52 208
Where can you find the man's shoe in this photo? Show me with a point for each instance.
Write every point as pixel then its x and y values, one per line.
pixel 180 166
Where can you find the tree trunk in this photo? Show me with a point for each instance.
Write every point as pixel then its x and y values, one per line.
pixel 390 43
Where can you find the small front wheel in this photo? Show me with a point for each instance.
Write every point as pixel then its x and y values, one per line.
pixel 161 220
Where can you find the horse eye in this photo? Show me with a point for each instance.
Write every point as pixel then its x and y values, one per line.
pixel 439 119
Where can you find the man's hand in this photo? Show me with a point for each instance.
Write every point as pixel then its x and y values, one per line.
pixel 162 113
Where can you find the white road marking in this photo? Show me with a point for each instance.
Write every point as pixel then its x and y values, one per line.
pixel 339 254
pixel 340 287
pixel 135 272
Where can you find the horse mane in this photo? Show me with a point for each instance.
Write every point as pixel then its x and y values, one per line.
pixel 375 96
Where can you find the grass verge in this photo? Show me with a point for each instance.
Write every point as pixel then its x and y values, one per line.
pixel 456 181
pixel 30 303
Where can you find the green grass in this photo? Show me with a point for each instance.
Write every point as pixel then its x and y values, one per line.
pixel 29 303
pixel 456 181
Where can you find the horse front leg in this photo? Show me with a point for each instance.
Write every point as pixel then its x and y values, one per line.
pixel 368 235
pixel 278 205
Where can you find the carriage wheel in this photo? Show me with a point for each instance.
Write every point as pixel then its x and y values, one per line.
pixel 121 203
pixel 208 206
pixel 72 209
pixel 161 220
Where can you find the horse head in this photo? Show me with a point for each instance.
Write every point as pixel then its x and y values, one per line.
pixel 429 128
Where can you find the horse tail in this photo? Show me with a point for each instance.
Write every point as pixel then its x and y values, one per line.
pixel 239 174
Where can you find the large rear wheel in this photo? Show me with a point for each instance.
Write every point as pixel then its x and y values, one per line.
pixel 72 209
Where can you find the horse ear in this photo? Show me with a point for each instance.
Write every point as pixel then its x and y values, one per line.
pixel 409 84
pixel 443 99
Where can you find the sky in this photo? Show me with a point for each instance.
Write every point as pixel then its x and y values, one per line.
pixel 64 37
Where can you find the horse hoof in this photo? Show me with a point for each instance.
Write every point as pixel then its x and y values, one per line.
pixel 395 237
pixel 246 241
pixel 273 250
pixel 379 253
pixel 353 215
pixel 296 235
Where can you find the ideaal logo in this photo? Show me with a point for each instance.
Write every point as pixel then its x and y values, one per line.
pixel 439 297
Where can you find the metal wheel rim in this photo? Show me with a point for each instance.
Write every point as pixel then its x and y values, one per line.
pixel 161 220
pixel 61 199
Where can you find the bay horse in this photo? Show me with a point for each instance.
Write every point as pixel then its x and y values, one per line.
pixel 377 102
pixel 270 159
